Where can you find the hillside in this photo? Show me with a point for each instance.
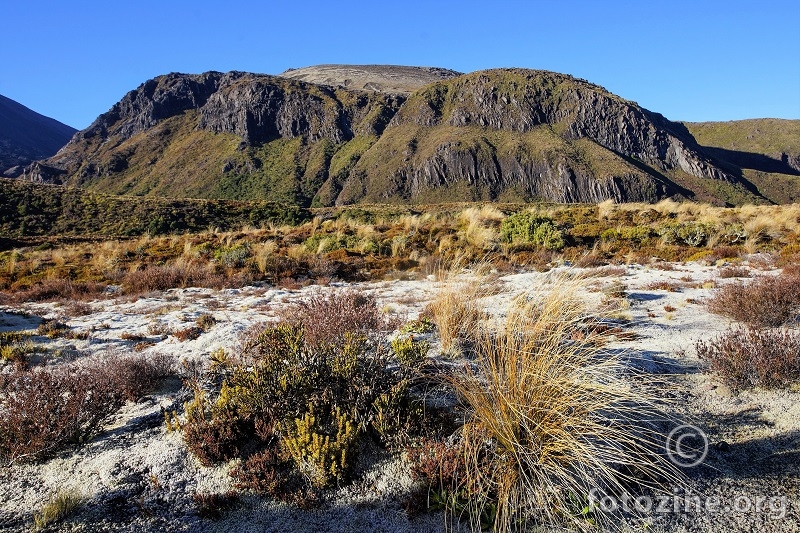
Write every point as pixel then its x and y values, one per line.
pixel 26 136
pixel 504 134
pixel 765 152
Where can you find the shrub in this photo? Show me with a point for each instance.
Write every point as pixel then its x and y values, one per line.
pixel 688 233
pixel 767 301
pixel 52 328
pixel 188 334
pixel 423 325
pixel 299 407
pixel 15 347
pixel 57 289
pixel 162 278
pixel 734 272
pixel 321 447
pixel 525 228
pixel 750 357
pixel 43 411
pixel 233 256
pixel 408 351
pixel 205 322
pixel 326 318
pixel 549 417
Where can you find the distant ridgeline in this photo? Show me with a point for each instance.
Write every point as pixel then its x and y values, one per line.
pixel 381 134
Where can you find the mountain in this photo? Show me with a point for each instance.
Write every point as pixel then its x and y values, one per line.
pixel 361 135
pixel 26 136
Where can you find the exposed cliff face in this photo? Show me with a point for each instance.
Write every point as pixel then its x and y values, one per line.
pixel 520 100
pixel 510 134
pixel 261 109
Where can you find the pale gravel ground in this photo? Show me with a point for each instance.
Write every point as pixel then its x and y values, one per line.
pixel 136 476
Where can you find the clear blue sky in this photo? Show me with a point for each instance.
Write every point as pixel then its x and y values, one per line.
pixel 689 60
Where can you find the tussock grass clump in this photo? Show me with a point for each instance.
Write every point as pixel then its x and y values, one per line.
pixel 751 357
pixel 767 301
pixel 457 310
pixel 60 506
pixel 549 418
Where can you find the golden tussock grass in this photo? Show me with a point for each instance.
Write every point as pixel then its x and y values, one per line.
pixel 550 417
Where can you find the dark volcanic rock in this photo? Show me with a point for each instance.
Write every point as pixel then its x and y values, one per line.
pixel 263 108
pixel 519 100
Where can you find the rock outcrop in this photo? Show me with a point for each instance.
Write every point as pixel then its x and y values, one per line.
pixel 508 134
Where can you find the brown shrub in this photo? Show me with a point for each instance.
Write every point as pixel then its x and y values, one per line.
pixel 327 317
pixel 162 278
pixel 213 505
pixel 268 473
pixel 767 301
pixel 733 272
pixel 57 289
pixel 749 357
pixel 188 334
pixel 663 286
pixel 43 411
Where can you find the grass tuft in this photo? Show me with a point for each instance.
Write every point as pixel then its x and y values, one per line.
pixel 549 418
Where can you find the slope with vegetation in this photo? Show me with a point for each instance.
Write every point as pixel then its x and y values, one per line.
pixel 507 134
pixel 766 152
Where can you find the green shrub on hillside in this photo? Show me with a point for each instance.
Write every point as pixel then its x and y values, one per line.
pixel 527 228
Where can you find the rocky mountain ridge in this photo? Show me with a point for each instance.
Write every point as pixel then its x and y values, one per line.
pixel 509 134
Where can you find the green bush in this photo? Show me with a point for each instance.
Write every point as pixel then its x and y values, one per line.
pixel 300 396
pixel 233 256
pixel 527 228
pixel 409 351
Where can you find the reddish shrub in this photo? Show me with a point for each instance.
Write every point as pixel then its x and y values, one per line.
pixel 43 411
pixel 162 278
pixel 749 357
pixel 58 289
pixel 213 505
pixel 768 301
pixel 326 318
pixel 189 334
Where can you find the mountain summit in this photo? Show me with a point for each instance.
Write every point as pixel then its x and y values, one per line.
pixel 388 134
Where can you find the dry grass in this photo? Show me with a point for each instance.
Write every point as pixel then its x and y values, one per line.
pixel 60 506
pixel 550 418
pixel 457 310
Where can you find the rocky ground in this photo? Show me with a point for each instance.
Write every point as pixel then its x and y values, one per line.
pixel 137 476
